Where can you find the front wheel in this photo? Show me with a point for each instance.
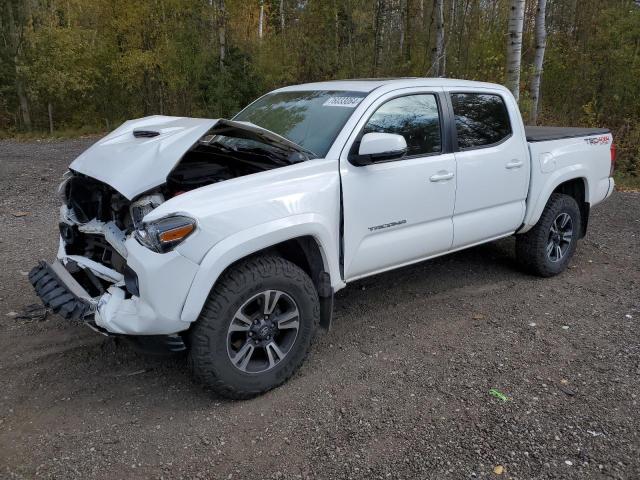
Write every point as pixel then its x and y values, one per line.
pixel 256 327
pixel 547 248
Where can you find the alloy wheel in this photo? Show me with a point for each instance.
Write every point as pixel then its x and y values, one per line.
pixel 560 237
pixel 263 331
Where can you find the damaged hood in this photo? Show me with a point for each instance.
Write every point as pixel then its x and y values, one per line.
pixel 138 155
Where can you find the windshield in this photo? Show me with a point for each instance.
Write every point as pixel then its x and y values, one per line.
pixel 310 119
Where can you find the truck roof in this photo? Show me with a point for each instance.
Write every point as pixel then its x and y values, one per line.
pixel 370 84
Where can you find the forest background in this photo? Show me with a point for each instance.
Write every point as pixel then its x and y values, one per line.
pixel 72 67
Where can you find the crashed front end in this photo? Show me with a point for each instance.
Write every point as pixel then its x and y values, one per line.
pixel 105 274
pixel 118 272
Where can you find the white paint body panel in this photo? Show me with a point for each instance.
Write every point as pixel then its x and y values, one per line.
pixel 557 161
pixel 480 201
pixel 135 165
pixel 492 182
pixel 379 195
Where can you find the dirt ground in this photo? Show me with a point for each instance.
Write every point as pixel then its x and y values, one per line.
pixel 398 389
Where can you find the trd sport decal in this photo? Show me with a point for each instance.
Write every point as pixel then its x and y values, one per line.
pixel 604 140
pixel 387 225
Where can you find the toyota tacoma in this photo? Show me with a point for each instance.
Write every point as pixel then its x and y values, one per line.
pixel 229 238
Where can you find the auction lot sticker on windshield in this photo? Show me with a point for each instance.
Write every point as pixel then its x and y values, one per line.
pixel 349 102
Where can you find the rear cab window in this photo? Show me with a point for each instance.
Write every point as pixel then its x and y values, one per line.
pixel 482 120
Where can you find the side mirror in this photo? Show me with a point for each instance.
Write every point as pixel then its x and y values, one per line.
pixel 378 147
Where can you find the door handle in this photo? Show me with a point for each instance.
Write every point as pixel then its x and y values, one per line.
pixel 441 177
pixel 514 164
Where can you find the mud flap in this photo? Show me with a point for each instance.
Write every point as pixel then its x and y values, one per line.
pixel 325 293
pixel 62 296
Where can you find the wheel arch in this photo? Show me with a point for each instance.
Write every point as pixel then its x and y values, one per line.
pixel 572 182
pixel 306 244
pixel 577 189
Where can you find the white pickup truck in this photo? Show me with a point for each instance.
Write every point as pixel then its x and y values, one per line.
pixel 229 238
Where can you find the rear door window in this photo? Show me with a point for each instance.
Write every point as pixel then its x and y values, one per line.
pixel 482 120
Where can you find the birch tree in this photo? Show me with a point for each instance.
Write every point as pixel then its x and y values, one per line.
pixel 282 15
pixel 514 46
pixel 538 62
pixel 380 19
pixel 437 59
pixel 261 20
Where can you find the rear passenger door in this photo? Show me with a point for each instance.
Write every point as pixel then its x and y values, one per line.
pixel 492 165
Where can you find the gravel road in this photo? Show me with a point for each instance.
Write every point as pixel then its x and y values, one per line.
pixel 398 389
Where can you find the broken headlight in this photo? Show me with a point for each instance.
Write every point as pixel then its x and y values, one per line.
pixel 62 188
pixel 144 205
pixel 165 234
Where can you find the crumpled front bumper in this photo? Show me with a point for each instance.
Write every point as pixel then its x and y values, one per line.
pixel 61 292
pixel 163 282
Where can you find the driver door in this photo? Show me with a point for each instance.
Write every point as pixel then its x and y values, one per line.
pixel 400 211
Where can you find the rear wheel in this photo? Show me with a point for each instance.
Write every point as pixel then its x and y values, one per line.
pixel 256 327
pixel 547 248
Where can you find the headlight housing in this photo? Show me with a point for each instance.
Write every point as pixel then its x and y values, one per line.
pixel 62 188
pixel 165 234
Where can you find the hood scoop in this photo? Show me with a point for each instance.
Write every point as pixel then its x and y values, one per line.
pixel 145 133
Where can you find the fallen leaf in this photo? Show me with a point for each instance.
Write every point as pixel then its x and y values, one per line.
pixel 19 214
pixel 498 469
pixel 477 316
pixel 499 395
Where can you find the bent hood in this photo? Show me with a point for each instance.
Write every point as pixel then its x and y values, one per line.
pixel 138 155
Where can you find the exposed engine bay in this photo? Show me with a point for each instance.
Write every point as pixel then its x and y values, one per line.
pixel 96 219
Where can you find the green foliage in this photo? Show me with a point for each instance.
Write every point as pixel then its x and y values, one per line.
pixel 99 62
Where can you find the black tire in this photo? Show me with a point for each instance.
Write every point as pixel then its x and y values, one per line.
pixel 209 358
pixel 531 247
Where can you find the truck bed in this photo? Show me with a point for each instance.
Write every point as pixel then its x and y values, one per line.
pixel 543 134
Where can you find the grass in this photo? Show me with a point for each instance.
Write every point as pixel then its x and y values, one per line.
pixel 626 182
pixel 63 134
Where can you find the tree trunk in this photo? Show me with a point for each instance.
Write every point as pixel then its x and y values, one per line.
pixel 538 62
pixel 282 15
pixel 222 32
pixel 261 21
pixel 336 34
pixel 50 111
pixel 514 46
pixel 401 25
pixel 378 35
pixel 15 44
pixel 23 101
pixel 408 33
pixel 437 59
pixel 452 16
pixel 350 37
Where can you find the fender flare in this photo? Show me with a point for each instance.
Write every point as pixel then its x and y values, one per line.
pixel 554 180
pixel 252 240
